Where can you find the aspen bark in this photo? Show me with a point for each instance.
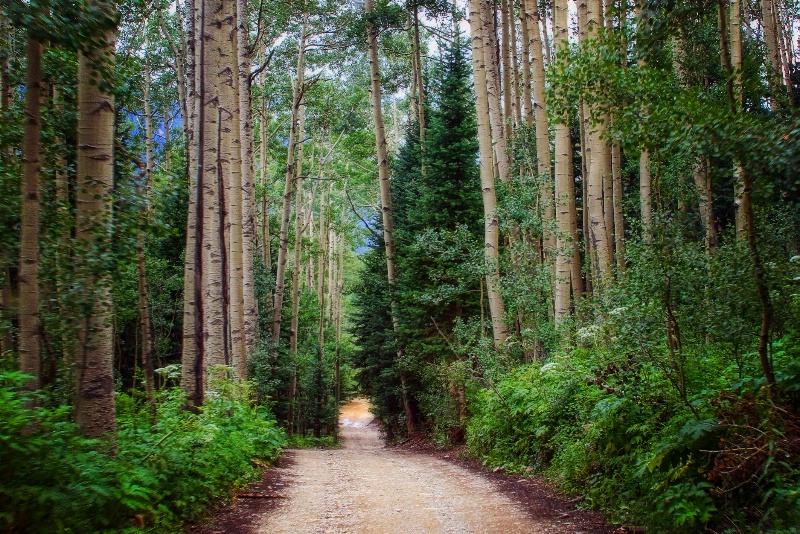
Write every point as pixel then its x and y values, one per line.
pixel 770 24
pixel 702 182
pixel 248 187
pixel 505 55
pixel 192 355
pixel 735 35
pixel 617 194
pixel 337 314
pixel 566 217
pixel 645 177
pixel 493 90
pixel 386 192
pixel 167 142
pixel 266 239
pixel 214 125
pixel 420 84
pixel 515 68
pixel 322 261
pixel 94 371
pixel 542 125
pixel 29 358
pixel 599 166
pixel 491 224
pixel 299 228
pixel 526 67
pixel 144 191
pixel 299 89
pixel 235 194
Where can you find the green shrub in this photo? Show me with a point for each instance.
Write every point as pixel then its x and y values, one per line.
pixel 161 474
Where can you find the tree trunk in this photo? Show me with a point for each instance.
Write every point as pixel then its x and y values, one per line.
pixel 236 212
pixel 420 84
pixel 192 354
pixel 617 195
pixel 491 224
pixel 299 227
pixel 505 54
pixel 248 187
pixel 386 194
pixel 542 125
pixel 493 90
pixel 29 358
pixel 702 182
pixel 144 216
pixel 324 201
pixel 265 233
pixel 527 99
pixel 515 67
pixel 214 127
pixel 287 190
pixel 94 407
pixel 566 217
pixel 599 166
pixel 771 35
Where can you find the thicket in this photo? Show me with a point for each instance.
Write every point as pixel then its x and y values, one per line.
pixel 165 467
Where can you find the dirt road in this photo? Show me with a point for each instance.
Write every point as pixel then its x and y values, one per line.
pixel 365 487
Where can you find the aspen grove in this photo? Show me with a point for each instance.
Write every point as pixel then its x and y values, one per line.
pixel 562 237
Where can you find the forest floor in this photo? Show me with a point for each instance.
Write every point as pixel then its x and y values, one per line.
pixel 369 487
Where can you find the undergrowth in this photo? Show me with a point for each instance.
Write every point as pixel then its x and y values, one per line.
pixel 722 459
pixel 165 467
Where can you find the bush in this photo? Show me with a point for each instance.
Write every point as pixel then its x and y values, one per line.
pixel 615 430
pixel 157 474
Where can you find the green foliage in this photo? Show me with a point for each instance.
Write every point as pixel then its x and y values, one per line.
pixel 166 468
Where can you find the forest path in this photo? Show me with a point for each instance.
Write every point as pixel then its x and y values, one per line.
pixel 366 487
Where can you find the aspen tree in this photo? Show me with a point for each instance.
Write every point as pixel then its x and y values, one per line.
pixel 515 67
pixel 386 191
pixel 234 225
pixel 505 63
pixel 420 85
pixel 493 90
pixel 192 351
pixel 771 28
pixel 94 371
pixel 167 142
pixel 491 224
pixel 29 358
pixel 266 253
pixel 248 185
pixel 735 36
pixel 750 236
pixel 337 312
pixel 144 216
pixel 297 96
pixel 527 99
pixel 565 186
pixel 299 227
pixel 539 105
pixel 213 124
pixel 599 166
pixel 617 195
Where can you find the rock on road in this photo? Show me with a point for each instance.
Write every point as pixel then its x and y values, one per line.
pixel 365 487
